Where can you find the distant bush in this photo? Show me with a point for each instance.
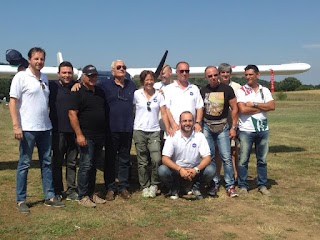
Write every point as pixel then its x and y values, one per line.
pixel 281 96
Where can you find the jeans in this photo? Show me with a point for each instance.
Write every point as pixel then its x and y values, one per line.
pixel 118 160
pixel 147 142
pixel 88 166
pixel 223 142
pixel 64 149
pixel 172 179
pixel 43 141
pixel 261 142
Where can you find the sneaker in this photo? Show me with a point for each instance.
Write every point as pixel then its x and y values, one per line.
pixel 213 190
pixel 145 192
pixel 54 202
pixel 197 194
pixel 232 192
pixel 125 194
pixel 23 208
pixel 72 197
pixel 86 202
pixel 243 191
pixel 264 191
pixel 173 194
pixel 110 195
pixel 153 191
pixel 97 199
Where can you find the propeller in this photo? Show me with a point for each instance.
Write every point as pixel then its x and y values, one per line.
pixel 160 66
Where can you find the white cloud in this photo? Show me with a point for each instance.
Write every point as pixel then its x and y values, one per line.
pixel 311 46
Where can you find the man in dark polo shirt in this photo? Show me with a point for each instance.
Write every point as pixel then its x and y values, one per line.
pixel 119 94
pixel 87 115
pixel 63 140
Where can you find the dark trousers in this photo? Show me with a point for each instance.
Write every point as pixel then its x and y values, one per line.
pixel 89 156
pixel 64 149
pixel 117 162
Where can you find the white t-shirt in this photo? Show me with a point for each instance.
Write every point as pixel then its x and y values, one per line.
pixel 253 122
pixel 33 100
pixel 179 100
pixel 145 120
pixel 186 152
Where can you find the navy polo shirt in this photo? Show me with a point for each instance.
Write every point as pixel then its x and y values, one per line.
pixel 120 103
pixel 91 111
pixel 59 100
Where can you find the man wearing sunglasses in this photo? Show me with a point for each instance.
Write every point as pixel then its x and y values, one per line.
pixel 217 100
pixel 183 96
pixel 119 93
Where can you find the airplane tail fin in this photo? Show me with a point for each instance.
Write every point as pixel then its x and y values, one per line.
pixel 59 58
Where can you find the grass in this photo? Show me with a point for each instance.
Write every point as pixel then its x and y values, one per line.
pixel 293 212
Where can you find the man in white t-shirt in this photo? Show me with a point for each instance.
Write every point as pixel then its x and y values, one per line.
pixel 183 96
pixel 254 101
pixel 29 109
pixel 186 157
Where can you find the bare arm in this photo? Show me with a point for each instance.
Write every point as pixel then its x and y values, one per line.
pixel 264 107
pixel 184 173
pixel 76 87
pixel 15 118
pixel 165 120
pixel 199 115
pixel 205 161
pixel 174 126
pixel 235 117
pixel 74 121
pixel 244 109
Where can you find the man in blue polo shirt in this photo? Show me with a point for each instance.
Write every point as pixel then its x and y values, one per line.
pixel 119 94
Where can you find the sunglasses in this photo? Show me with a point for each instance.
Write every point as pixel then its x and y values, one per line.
pixel 121 95
pixel 92 75
pixel 213 75
pixel 148 106
pixel 124 67
pixel 42 85
pixel 186 71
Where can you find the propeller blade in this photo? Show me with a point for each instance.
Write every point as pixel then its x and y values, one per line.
pixel 160 66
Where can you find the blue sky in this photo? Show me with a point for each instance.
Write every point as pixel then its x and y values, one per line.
pixel 199 32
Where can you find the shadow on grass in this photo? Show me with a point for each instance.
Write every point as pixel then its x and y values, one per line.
pixel 284 148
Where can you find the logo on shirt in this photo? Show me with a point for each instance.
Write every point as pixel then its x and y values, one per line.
pixel 155 100
pixel 194 145
pixel 191 93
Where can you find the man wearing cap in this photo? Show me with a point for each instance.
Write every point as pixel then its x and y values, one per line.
pixel 29 96
pixel 119 93
pixel 225 71
pixel 183 96
pixel 217 99
pixel 64 145
pixel 87 113
pixel 254 101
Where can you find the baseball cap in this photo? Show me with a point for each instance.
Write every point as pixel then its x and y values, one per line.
pixel 90 70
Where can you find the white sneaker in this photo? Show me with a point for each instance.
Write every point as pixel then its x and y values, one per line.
pixel 145 192
pixel 153 191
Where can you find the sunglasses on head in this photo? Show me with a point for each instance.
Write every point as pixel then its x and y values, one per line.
pixel 124 67
pixel 148 106
pixel 186 71
pixel 213 75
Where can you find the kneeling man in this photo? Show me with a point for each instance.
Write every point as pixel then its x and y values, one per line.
pixel 186 156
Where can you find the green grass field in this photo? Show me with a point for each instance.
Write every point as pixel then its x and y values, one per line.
pixel 293 212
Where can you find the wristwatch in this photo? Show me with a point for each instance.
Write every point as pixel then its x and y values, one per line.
pixel 234 127
pixel 255 104
pixel 197 170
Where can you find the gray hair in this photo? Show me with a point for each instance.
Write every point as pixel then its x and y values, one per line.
pixel 113 63
pixel 224 67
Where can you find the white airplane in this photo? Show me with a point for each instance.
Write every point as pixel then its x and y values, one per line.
pixel 8 71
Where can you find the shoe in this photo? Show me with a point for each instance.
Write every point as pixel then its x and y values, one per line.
pixel 23 208
pixel 54 202
pixel 59 197
pixel 145 192
pixel 264 191
pixel 232 192
pixel 72 197
pixel 86 202
pixel 173 194
pixel 125 194
pixel 110 195
pixel 197 194
pixel 243 191
pixel 153 189
pixel 212 192
pixel 97 199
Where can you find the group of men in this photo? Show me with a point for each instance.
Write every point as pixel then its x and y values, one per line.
pixel 86 116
